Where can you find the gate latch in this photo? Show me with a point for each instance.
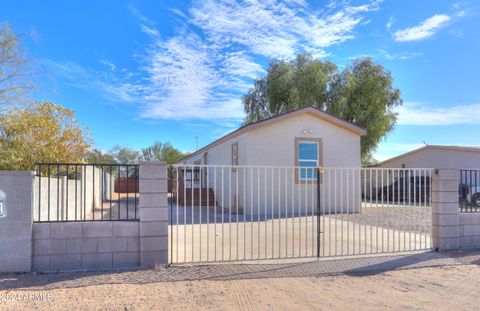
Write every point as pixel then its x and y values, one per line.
pixel 3 208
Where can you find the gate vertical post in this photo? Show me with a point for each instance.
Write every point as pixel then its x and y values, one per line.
pixel 445 210
pixel 154 216
pixel 319 171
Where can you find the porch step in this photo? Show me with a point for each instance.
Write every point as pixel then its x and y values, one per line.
pixel 201 197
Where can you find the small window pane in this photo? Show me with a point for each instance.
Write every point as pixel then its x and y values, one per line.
pixel 308 158
pixel 309 172
pixel 234 155
pixel 307 151
pixel 308 163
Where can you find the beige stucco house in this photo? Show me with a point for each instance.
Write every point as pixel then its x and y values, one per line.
pixel 465 159
pixel 275 142
pixel 272 163
pixel 428 156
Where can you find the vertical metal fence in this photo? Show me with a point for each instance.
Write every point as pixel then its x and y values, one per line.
pixel 67 192
pixel 469 191
pixel 238 213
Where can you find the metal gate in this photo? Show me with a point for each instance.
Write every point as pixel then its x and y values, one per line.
pixel 239 213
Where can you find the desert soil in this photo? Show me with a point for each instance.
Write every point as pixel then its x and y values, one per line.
pixel 427 281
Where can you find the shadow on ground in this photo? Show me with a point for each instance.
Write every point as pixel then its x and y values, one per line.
pixel 357 267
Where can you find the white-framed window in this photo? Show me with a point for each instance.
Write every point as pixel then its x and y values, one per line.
pixel 234 155
pixel 205 158
pixel 308 159
pixel 196 171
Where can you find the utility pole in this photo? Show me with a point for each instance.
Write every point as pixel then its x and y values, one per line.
pixel 196 143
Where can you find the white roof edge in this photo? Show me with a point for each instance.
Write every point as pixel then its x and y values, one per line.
pixel 437 147
pixel 312 110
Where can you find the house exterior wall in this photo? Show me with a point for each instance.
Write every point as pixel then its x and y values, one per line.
pixel 438 158
pixel 275 144
pixel 222 153
pixel 261 190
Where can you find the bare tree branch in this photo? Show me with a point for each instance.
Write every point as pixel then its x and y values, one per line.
pixel 16 69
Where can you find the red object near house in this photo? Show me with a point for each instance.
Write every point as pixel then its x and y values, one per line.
pixel 122 185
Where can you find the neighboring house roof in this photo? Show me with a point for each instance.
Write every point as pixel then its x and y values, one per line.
pixel 255 125
pixel 430 147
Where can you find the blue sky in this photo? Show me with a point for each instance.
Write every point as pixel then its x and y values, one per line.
pixel 140 71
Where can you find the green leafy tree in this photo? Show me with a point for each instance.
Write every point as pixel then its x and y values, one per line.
pixel 362 93
pixel 369 160
pixel 98 156
pixel 288 86
pixel 41 132
pixel 125 155
pixel 162 152
pixel 16 69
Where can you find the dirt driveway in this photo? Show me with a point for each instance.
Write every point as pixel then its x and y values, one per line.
pixel 376 229
pixel 425 281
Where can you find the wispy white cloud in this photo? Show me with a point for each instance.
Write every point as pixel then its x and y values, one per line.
pixel 111 87
pixel 390 22
pixel 150 30
pixel 461 9
pixel 275 29
pixel 142 18
pixel 399 56
pixel 425 29
pixel 182 81
pixel 202 71
pixel 224 129
pixel 382 53
pixel 360 56
pixel 239 64
pixel 420 114
pixel 108 63
pixel 177 12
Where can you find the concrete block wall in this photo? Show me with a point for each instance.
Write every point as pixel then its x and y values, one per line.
pixel 153 214
pixel 469 229
pixel 445 209
pixel 55 246
pixel 451 229
pixel 16 225
pixel 85 245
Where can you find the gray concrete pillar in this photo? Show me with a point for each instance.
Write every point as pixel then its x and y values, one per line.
pixel 153 214
pixel 445 209
pixel 16 188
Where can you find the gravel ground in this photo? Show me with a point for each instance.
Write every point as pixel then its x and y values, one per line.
pixel 397 217
pixel 422 281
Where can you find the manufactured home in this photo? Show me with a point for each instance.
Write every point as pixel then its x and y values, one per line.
pixel 463 158
pixel 450 157
pixel 273 166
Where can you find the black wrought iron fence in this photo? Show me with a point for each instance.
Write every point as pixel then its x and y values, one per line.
pixel 67 192
pixel 469 191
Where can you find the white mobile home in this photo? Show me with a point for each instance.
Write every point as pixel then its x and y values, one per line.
pixel 450 157
pixel 463 158
pixel 267 164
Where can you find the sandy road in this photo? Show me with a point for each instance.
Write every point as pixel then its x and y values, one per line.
pixel 428 281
